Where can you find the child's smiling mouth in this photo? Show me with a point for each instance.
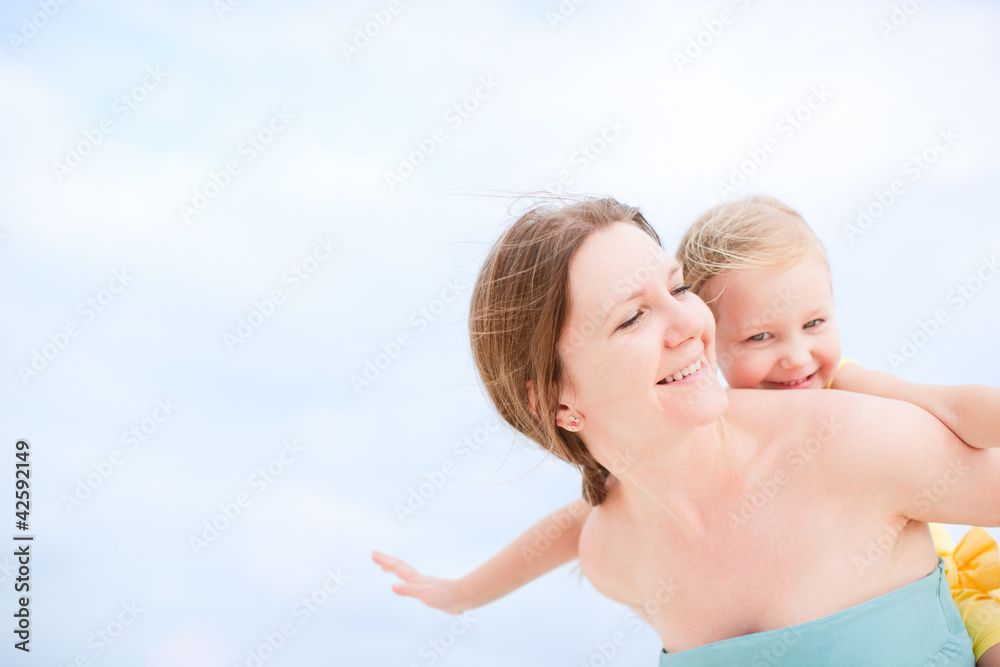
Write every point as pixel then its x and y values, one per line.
pixel 801 383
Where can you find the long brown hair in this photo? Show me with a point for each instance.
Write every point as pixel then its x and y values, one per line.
pixel 519 308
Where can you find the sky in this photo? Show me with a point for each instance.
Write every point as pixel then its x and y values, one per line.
pixel 237 244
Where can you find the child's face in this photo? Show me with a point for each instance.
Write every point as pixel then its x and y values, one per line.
pixel 776 327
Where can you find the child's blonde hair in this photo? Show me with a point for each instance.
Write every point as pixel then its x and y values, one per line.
pixel 758 232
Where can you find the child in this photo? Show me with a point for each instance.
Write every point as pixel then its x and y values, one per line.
pixel 765 276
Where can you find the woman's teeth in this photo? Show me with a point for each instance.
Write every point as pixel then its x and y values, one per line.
pixel 682 373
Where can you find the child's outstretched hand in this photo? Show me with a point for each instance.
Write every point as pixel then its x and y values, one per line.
pixel 443 594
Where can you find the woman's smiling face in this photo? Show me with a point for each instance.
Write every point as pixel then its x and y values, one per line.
pixel 776 327
pixel 637 349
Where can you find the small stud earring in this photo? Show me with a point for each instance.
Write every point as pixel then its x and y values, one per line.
pixel 574 424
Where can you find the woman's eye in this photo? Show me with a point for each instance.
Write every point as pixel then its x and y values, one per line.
pixel 630 322
pixel 681 291
pixel 811 323
pixel 761 336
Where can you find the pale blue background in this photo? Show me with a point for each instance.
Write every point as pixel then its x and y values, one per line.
pixel 162 336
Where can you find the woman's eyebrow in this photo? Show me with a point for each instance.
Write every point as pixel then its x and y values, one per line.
pixel 638 291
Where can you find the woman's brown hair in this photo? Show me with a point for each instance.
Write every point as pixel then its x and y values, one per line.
pixel 519 308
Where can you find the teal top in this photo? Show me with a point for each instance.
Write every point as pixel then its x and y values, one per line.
pixel 917 624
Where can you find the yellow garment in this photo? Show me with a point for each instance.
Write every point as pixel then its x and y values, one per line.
pixel 839 366
pixel 973 572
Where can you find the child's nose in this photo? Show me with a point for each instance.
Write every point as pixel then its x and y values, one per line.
pixel 795 356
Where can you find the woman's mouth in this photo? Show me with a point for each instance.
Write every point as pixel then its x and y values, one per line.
pixel 802 383
pixel 686 373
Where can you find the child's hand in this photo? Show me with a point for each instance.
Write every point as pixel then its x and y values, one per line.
pixel 443 594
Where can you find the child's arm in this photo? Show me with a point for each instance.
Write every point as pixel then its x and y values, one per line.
pixel 969 410
pixel 543 547
pixel 991 658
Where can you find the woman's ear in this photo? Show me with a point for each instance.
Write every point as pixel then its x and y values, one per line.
pixel 566 416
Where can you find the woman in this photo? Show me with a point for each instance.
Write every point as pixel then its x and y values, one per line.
pixel 579 310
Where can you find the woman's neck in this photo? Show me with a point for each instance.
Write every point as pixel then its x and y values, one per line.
pixel 682 480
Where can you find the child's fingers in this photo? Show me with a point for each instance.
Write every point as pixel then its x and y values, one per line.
pixel 403 589
pixel 386 561
pixel 419 591
pixel 396 566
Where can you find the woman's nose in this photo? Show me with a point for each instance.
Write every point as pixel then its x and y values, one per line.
pixel 682 324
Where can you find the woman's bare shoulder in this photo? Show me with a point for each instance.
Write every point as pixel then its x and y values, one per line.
pixel 783 419
pixel 846 430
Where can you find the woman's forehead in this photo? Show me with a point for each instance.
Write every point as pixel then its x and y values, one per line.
pixel 620 253
pixel 614 265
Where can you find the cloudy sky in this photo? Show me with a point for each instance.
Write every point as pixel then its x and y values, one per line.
pixel 219 218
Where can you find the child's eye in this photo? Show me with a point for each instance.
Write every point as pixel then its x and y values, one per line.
pixel 681 291
pixel 630 322
pixel 811 323
pixel 761 336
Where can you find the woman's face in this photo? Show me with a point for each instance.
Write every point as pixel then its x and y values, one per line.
pixel 637 349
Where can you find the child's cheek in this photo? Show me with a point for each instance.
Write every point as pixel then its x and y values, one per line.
pixel 739 368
